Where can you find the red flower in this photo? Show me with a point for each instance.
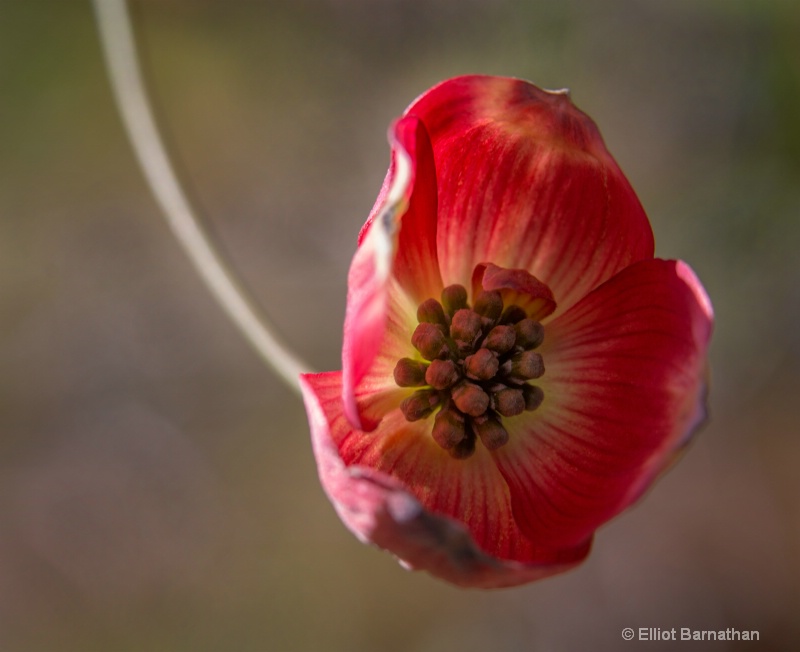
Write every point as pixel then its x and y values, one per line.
pixel 518 368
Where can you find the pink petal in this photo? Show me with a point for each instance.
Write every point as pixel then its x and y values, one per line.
pixel 416 265
pixel 624 389
pixel 376 392
pixel 380 508
pixel 517 287
pixel 525 181
pixel 394 269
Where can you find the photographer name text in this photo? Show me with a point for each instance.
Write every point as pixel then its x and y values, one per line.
pixel 689 634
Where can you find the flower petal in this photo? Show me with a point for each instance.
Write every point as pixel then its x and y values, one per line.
pixel 525 181
pixel 416 265
pixel 624 389
pixel 381 509
pixel 517 287
pixel 396 256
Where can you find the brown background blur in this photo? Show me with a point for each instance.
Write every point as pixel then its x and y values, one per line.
pixel 157 489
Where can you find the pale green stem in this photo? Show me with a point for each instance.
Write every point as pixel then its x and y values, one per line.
pixel 119 48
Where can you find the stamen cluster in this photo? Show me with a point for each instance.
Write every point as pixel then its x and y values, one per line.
pixel 476 368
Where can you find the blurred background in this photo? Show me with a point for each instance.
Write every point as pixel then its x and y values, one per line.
pixel 157 488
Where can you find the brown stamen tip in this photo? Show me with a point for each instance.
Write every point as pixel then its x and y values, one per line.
pixel 512 315
pixel 533 396
pixel 441 374
pixel 500 339
pixel 431 311
pixel 527 365
pixel 481 365
pixel 489 304
pixel 491 433
pixel 466 327
pixel 429 340
pixel 410 373
pixel 472 370
pixel 530 333
pixel 419 405
pixel 509 402
pixel 454 298
pixel 448 428
pixel 465 448
pixel 470 399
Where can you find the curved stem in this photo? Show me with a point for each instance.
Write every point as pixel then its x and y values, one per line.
pixel 134 106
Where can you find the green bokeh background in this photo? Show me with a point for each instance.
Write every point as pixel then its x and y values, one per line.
pixel 157 489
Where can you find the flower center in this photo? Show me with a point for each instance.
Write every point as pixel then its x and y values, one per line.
pixel 478 362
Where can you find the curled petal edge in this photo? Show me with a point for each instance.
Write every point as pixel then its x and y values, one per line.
pixel 516 286
pixel 397 243
pixel 380 510
pixel 368 279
